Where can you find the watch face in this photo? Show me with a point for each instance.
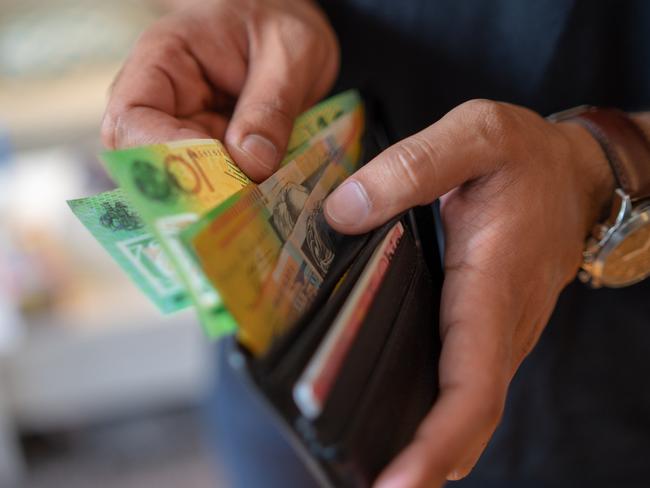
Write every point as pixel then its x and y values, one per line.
pixel 628 259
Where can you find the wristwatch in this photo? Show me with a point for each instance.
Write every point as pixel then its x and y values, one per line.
pixel 617 253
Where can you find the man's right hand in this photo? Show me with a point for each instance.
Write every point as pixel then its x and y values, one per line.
pixel 235 70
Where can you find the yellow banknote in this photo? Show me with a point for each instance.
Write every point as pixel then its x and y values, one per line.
pixel 239 247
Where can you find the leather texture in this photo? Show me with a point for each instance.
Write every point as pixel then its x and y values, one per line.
pixel 624 144
pixel 388 380
pixel 389 372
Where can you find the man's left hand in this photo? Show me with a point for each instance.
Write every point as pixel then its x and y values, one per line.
pixel 519 195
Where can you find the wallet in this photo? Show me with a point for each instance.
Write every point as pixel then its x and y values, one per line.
pixel 383 381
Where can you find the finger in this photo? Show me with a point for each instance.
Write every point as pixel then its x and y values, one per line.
pixel 161 94
pixel 474 374
pixel 281 81
pixel 418 169
pixel 143 125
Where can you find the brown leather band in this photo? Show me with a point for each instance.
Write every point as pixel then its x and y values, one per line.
pixel 624 144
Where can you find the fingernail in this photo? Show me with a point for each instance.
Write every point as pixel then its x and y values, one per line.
pixel 261 150
pixel 349 204
pixel 398 480
pixel 456 475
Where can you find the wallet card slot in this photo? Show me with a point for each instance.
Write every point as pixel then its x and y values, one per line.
pixel 369 344
pixel 283 346
pixel 403 387
pixel 366 432
pixel 280 368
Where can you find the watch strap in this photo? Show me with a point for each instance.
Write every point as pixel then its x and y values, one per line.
pixel 625 145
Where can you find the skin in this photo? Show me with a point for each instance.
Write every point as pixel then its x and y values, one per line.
pixel 225 69
pixel 519 194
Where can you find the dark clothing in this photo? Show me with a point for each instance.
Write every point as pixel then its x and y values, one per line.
pixel 424 57
pixel 578 412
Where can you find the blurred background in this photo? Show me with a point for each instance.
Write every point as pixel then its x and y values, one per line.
pixel 96 387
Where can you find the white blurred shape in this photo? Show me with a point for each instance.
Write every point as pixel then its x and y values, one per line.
pixel 38 183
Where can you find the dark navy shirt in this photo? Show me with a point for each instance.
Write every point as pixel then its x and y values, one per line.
pixel 578 412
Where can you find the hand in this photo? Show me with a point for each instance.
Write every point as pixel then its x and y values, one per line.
pixel 269 59
pixel 519 196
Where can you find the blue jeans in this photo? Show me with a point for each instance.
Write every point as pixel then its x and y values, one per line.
pixel 251 450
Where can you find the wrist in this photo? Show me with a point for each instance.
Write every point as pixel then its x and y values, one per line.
pixel 593 173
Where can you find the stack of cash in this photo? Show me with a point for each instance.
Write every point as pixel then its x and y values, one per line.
pixel 190 228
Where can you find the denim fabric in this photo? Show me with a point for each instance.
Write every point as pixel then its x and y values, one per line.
pixel 250 448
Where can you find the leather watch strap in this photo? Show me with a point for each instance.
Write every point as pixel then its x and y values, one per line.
pixel 624 144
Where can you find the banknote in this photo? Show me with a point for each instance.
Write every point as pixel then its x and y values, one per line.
pixel 171 185
pixel 120 230
pixel 318 118
pixel 308 251
pixel 238 244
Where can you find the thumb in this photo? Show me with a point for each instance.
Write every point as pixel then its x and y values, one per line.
pixel 413 172
pixel 280 82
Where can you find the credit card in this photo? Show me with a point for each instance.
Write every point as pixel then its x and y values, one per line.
pixel 314 385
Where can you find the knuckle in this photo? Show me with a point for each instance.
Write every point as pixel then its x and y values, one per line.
pixel 152 35
pixel 274 107
pixel 299 30
pixel 162 41
pixel 302 40
pixel 493 122
pixel 303 32
pixel 170 49
pixel 412 164
pixel 272 113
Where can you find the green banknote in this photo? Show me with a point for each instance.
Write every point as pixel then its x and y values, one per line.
pixel 171 185
pixel 119 229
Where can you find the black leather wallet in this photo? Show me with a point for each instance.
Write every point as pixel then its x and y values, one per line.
pixel 387 381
